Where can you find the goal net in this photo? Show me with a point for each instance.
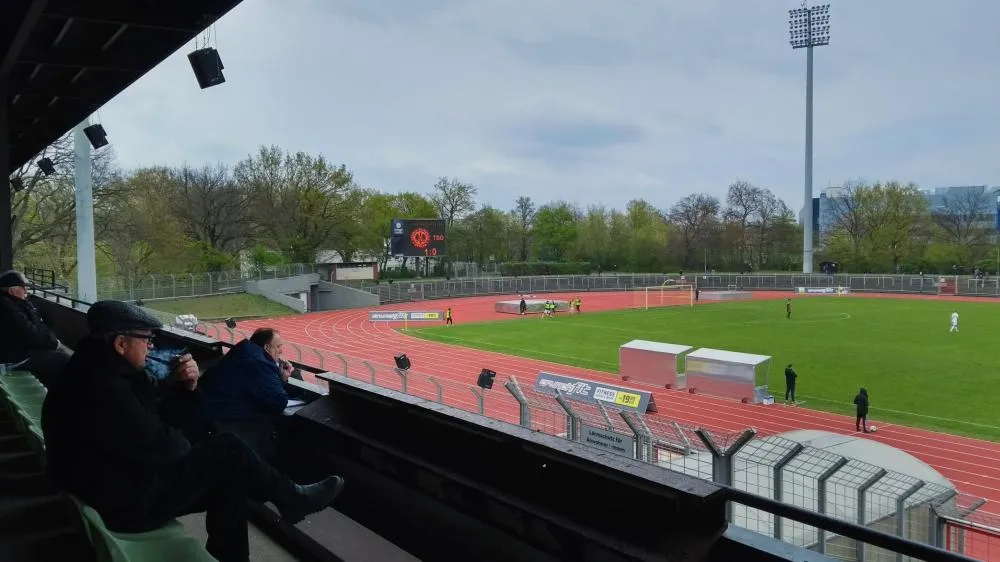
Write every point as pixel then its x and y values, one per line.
pixel 665 295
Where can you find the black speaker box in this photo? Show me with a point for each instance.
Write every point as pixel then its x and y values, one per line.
pixel 96 135
pixel 207 66
pixel 402 362
pixel 486 378
pixel 46 166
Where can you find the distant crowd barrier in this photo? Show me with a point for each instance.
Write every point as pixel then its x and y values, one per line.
pixel 417 290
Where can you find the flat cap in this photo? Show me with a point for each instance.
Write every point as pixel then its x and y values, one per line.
pixel 109 316
pixel 12 279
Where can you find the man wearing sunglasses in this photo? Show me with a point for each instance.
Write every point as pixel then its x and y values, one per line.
pixel 107 444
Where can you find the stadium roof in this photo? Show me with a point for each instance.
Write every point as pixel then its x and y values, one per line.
pixel 729 356
pixel 669 348
pixel 60 60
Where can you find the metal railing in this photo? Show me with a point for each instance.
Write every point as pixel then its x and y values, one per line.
pixel 847 490
pixel 417 290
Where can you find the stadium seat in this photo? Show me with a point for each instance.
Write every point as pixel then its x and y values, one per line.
pixel 167 544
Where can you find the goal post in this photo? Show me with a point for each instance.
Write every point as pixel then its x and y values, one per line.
pixel 664 295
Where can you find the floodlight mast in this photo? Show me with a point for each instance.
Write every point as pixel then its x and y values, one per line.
pixel 808 28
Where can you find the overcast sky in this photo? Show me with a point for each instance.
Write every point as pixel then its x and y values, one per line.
pixel 590 101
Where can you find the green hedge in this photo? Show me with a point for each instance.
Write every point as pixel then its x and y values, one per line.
pixel 524 269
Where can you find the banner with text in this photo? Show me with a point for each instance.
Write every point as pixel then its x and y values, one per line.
pixel 404 316
pixel 593 392
pixel 824 290
pixel 608 440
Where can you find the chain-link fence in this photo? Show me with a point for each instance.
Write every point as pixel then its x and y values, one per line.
pixel 417 290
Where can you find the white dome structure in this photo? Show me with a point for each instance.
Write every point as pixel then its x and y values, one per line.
pixel 862 477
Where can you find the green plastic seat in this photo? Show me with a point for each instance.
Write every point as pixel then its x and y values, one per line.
pixel 37 442
pixel 166 544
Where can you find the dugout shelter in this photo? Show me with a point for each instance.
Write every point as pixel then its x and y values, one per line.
pixel 729 374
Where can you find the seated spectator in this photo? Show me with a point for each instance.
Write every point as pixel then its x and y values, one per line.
pixel 107 445
pixel 244 392
pixel 25 335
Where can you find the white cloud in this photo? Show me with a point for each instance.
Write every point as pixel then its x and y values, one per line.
pixel 584 100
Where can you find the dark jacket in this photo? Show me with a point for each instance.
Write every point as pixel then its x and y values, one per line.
pixel 790 376
pixel 22 329
pixel 102 428
pixel 245 383
pixel 861 401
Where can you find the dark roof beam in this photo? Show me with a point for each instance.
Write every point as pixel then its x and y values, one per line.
pixel 27 26
pixel 62 32
pixel 161 15
pixel 114 37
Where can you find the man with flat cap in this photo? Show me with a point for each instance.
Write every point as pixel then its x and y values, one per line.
pixel 107 445
pixel 24 337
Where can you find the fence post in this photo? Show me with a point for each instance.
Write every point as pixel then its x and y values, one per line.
pixel 298 351
pixel 863 507
pixel 901 512
pixel 525 408
pixel 779 487
pixel 437 386
pixel 343 363
pixel 604 413
pixel 479 399
pixel 643 437
pixel 402 377
pixel 572 419
pixel 821 498
pixel 371 371
pixel 684 438
pixel 936 524
pixel 723 469
pixel 320 357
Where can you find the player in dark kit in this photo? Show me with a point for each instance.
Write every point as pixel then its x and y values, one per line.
pixel 523 306
pixel 788 308
pixel 790 376
pixel 447 317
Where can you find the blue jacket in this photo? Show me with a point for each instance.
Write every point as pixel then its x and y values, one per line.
pixel 245 383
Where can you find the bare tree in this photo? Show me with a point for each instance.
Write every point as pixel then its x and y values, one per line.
pixel 743 200
pixel 44 209
pixel 697 218
pixel 847 210
pixel 524 217
pixel 211 207
pixel 454 199
pixel 965 218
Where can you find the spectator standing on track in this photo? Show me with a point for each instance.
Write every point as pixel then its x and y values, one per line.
pixel 790 377
pixel 523 306
pixel 447 317
pixel 861 403
pixel 788 308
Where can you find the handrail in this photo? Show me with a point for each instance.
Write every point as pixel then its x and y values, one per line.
pixel 854 531
pixel 59 297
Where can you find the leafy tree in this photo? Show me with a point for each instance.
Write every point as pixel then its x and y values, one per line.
pixel 555 231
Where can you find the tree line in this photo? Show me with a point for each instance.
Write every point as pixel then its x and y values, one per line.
pixel 893 227
pixel 278 206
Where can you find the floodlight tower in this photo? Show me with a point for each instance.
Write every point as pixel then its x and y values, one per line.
pixel 808 28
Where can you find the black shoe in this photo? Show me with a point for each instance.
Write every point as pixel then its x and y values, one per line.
pixel 309 499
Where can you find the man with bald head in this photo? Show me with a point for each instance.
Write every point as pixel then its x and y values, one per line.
pixel 24 336
pixel 107 445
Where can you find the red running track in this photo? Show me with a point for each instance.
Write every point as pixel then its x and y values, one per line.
pixel 971 464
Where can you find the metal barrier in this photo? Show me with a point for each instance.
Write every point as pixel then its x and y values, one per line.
pixel 414 290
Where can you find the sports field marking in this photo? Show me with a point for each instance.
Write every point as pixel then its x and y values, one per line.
pixel 832 317
pixel 849 405
pixel 525 349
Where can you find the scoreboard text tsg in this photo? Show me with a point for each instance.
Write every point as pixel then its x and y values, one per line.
pixel 417 238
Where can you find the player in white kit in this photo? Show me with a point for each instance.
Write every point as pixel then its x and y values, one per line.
pixel 954 322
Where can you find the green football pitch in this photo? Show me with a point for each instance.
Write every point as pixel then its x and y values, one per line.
pixel 916 372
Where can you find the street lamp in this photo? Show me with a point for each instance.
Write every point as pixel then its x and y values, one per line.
pixel 808 28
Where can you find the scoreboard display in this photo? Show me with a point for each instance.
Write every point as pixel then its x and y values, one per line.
pixel 417 238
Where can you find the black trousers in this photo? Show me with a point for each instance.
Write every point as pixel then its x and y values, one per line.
pixel 862 422
pixel 217 476
pixel 790 389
